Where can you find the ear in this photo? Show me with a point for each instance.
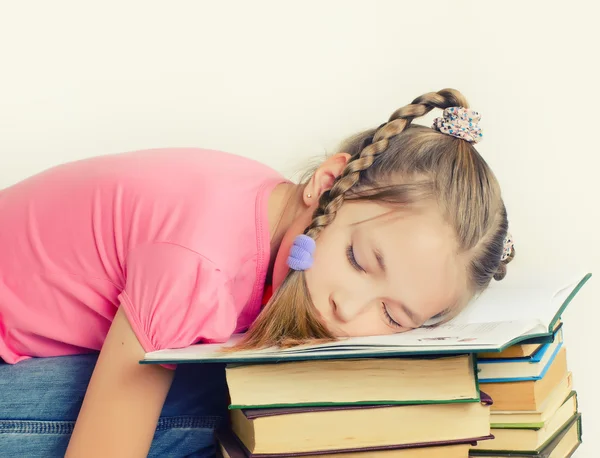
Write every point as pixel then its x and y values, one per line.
pixel 323 178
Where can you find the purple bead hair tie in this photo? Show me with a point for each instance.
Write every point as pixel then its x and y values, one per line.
pixel 301 254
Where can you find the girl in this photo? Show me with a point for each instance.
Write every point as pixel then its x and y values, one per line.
pixel 160 249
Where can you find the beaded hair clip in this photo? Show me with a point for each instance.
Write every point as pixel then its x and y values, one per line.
pixel 509 245
pixel 461 123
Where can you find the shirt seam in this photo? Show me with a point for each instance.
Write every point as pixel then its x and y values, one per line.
pixel 261 270
pixel 166 242
pixel 126 304
pixel 183 247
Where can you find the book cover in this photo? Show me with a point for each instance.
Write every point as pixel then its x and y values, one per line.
pixel 342 382
pixel 555 444
pixel 530 395
pixel 519 372
pixel 571 398
pixel 546 410
pixel 236 449
pixel 521 353
pixel 257 413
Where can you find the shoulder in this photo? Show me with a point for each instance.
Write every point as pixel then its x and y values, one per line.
pixel 191 171
pixel 172 166
pixel 212 202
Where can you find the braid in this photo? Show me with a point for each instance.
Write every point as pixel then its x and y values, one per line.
pixel 452 172
pixel 331 201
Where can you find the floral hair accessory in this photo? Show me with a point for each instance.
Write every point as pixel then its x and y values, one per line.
pixel 301 254
pixel 460 122
pixel 509 245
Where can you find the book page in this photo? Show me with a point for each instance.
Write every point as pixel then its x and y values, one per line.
pixel 466 335
pixel 521 296
pixel 460 338
pixel 519 306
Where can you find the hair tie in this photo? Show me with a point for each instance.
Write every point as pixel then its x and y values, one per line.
pixel 301 254
pixel 461 123
pixel 509 245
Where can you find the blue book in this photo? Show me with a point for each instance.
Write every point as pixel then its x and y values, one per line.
pixel 519 370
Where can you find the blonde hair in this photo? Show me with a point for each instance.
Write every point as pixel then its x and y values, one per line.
pixel 431 165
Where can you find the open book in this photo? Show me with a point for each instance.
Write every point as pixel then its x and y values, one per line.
pixel 519 308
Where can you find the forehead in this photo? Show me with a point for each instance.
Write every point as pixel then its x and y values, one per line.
pixel 420 253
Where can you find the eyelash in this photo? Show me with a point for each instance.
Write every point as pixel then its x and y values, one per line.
pixel 357 266
pixel 352 259
pixel 388 317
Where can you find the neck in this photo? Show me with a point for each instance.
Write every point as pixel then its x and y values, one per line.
pixel 285 203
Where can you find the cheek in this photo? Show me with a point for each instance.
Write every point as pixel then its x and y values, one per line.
pixel 369 323
pixel 325 277
pixel 330 261
pixel 319 280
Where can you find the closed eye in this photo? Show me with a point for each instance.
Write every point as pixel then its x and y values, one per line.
pixel 352 259
pixel 389 318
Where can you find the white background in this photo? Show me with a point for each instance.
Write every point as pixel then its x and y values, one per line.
pixel 285 81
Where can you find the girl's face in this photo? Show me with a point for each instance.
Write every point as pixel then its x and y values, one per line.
pixel 378 271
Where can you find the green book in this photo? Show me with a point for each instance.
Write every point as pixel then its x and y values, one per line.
pixel 562 445
pixel 565 409
pixel 522 307
pixel 368 381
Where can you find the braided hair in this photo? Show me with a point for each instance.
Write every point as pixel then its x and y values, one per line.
pixel 401 164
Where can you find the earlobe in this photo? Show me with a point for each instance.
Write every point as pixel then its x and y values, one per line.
pixel 308 196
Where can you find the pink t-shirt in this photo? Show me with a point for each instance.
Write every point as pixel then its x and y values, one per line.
pixel 179 237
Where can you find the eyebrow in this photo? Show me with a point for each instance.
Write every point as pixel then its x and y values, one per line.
pixel 445 315
pixel 379 257
pixel 442 318
pixel 416 319
pixel 381 262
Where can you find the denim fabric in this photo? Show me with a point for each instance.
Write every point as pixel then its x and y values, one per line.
pixel 40 400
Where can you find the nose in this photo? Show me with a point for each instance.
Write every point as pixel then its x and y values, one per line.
pixel 348 308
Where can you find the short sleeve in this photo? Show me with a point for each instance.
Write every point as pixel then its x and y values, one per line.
pixel 174 297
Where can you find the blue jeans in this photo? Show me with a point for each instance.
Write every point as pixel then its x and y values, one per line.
pixel 40 400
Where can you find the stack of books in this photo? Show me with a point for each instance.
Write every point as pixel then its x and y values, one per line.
pixel 535 411
pixel 395 407
pixel 415 394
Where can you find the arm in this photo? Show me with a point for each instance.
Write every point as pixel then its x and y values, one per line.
pixel 123 400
